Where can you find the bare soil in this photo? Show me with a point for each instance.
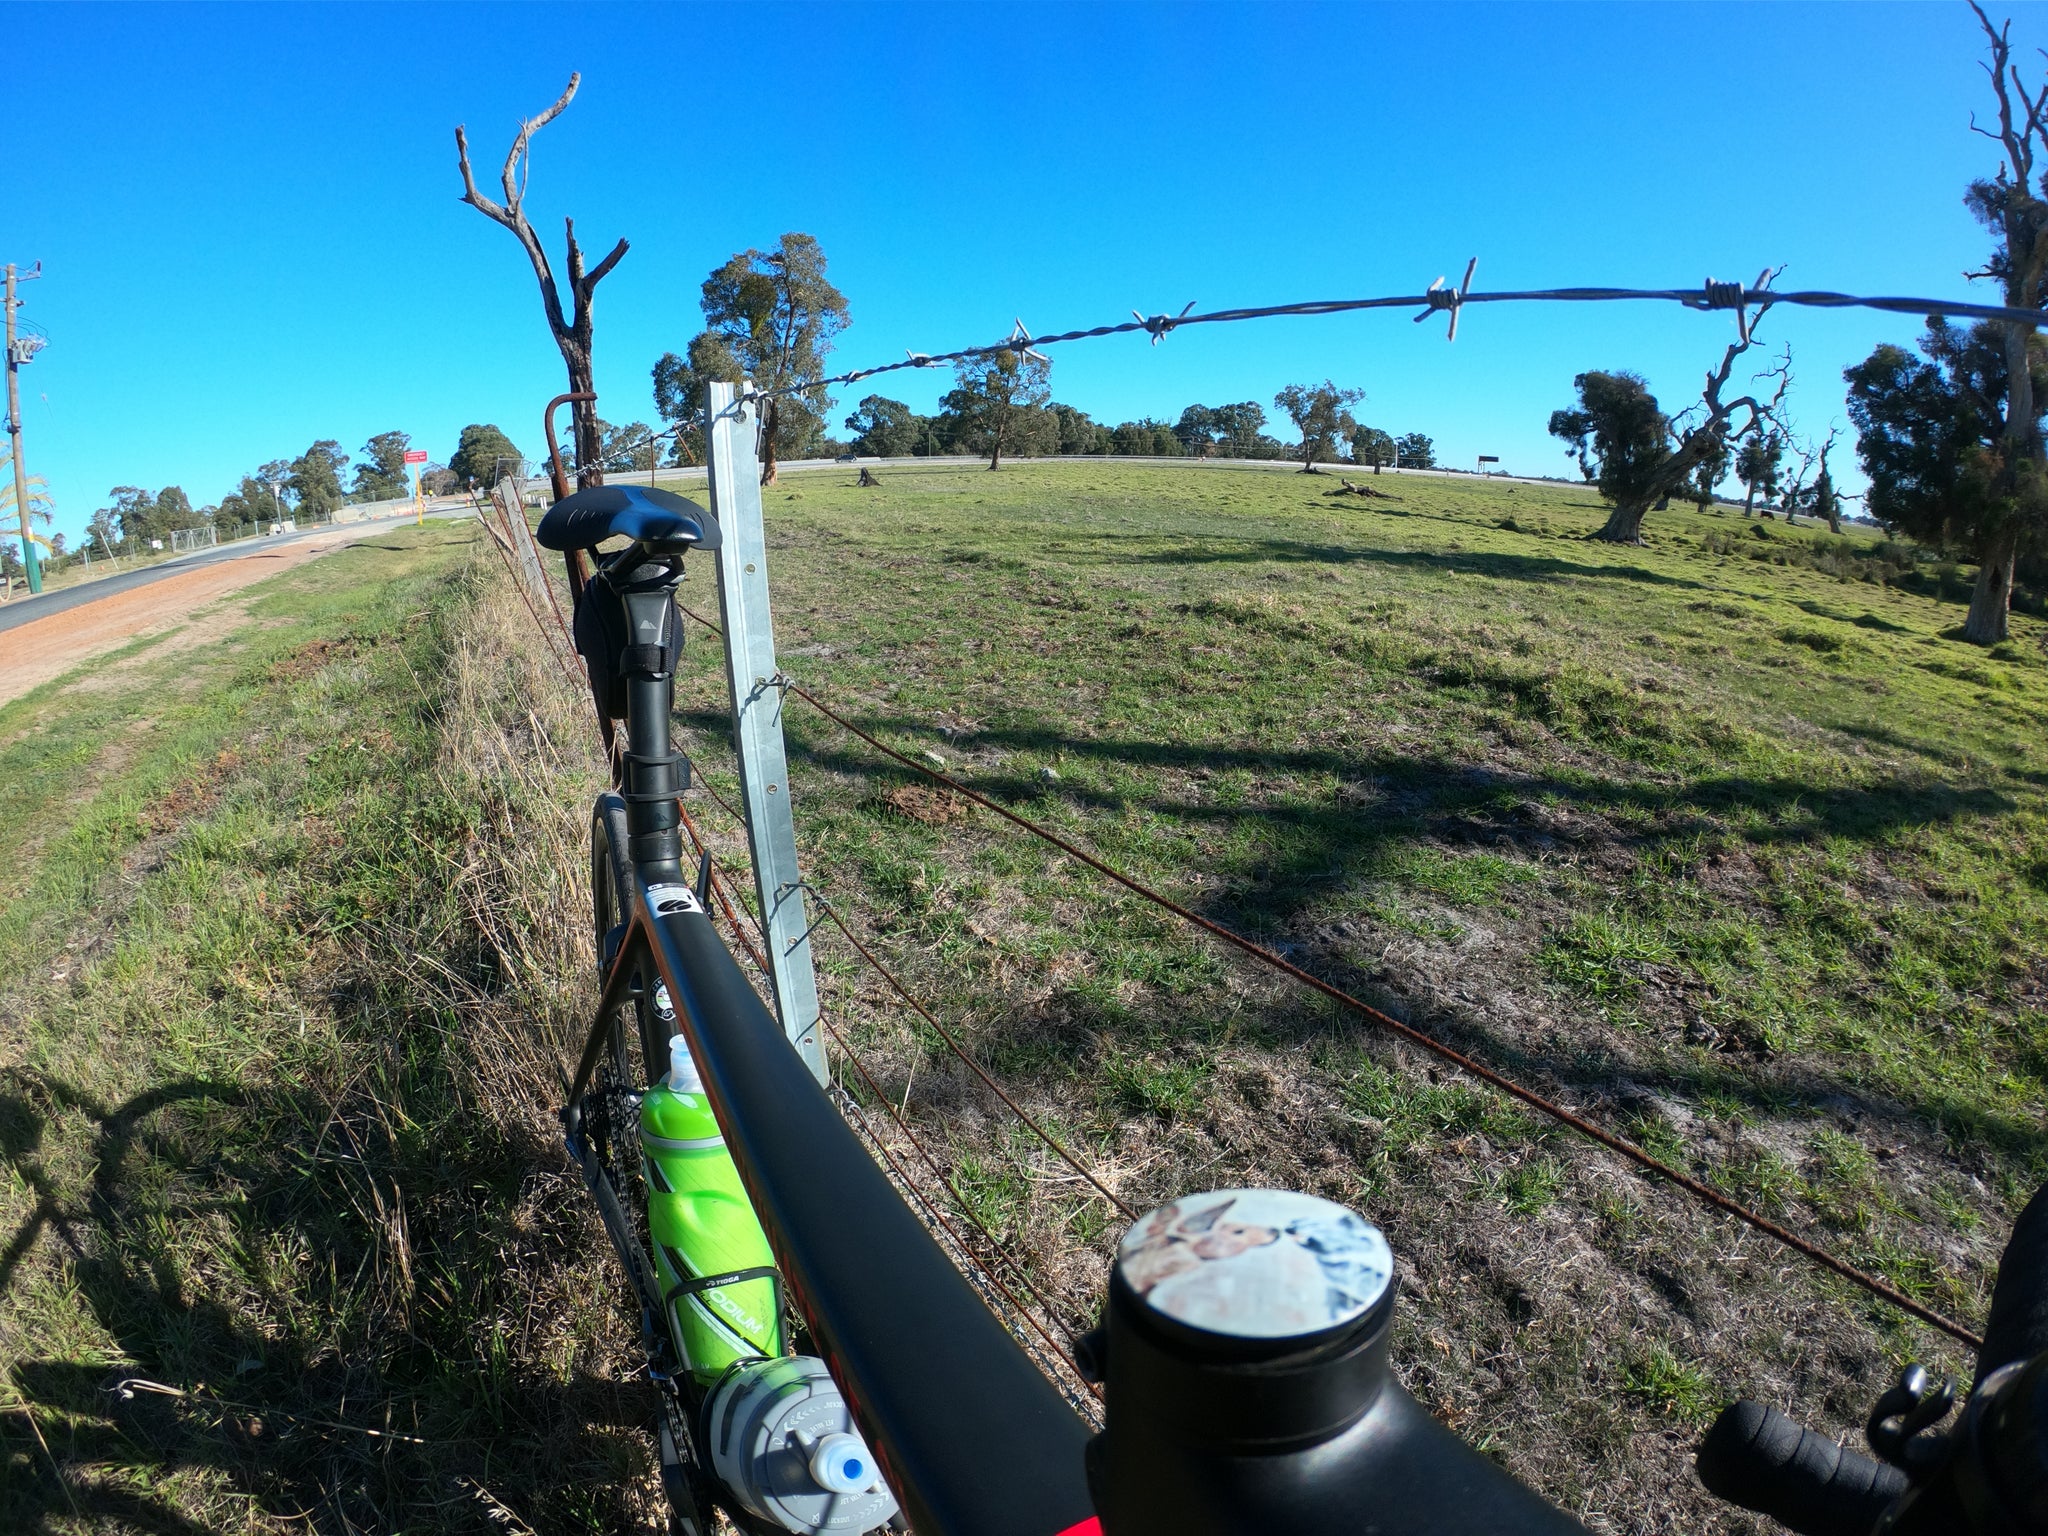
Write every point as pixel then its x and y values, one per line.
pixel 46 648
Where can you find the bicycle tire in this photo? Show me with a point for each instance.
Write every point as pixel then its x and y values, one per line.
pixel 632 1060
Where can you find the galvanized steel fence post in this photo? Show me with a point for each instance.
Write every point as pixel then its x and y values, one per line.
pixel 731 436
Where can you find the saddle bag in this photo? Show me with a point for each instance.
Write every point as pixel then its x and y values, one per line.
pixel 608 639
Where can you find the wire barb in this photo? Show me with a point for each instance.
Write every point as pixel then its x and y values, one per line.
pixel 1159 325
pixel 1020 340
pixel 1441 298
pixel 1719 295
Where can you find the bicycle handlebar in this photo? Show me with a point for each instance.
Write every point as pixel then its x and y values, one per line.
pixel 1757 1457
pixel 1987 1473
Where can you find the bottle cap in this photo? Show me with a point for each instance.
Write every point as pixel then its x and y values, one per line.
pixel 841 1464
pixel 682 1067
pixel 1249 1320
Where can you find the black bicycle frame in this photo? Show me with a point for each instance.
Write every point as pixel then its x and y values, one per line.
pixel 972 1437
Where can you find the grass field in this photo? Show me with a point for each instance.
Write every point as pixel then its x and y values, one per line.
pixel 1731 848
pixel 285 1237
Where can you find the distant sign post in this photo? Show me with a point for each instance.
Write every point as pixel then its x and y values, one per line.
pixel 1486 459
pixel 414 458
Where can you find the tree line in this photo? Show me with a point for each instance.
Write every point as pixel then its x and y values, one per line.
pixel 774 316
pixel 888 428
pixel 308 487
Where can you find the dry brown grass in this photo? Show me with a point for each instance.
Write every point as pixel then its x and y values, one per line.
pixel 311 1206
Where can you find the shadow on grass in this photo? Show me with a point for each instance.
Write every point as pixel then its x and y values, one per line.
pixel 1409 798
pixel 1506 566
pixel 291 1308
pixel 1307 850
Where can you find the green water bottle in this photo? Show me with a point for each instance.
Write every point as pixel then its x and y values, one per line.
pixel 703 1225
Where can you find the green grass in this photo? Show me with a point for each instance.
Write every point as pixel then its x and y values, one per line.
pixel 1725 840
pixel 1673 1388
pixel 271 1141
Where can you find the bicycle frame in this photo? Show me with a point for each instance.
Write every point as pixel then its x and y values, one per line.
pixel 970 1434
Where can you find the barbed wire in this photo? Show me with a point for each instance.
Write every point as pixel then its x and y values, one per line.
pixel 1628 1149
pixel 1437 299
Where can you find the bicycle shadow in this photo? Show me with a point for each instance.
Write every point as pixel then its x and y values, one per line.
pixel 223 1387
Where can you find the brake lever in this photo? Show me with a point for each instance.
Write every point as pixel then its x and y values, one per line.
pixel 1897 1430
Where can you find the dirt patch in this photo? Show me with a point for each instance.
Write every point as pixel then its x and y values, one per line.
pixel 922 803
pixel 211 624
pixel 46 648
pixel 191 798
pixel 309 659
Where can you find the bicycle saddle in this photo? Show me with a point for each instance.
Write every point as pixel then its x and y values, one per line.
pixel 586 518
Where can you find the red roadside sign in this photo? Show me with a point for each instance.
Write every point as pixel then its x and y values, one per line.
pixel 415 455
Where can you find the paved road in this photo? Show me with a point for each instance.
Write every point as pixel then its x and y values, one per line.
pixel 24 609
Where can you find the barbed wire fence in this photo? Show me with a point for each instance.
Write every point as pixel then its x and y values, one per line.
pixel 1438 299
pixel 1044 1325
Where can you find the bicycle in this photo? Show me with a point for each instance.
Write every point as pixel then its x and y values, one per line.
pixel 822 1365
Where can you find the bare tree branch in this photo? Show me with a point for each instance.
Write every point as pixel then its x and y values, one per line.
pixel 603 268
pixel 515 189
pixel 470 195
pixel 572 331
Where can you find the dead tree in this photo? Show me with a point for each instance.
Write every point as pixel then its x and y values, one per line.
pixel 2009 205
pixel 1792 492
pixel 1707 431
pixel 571 330
pixel 1824 501
pixel 1813 486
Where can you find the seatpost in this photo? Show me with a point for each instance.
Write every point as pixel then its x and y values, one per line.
pixel 653 772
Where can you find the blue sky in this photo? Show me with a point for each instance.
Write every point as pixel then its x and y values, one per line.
pixel 251 237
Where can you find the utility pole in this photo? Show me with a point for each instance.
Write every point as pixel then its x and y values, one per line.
pixel 19 352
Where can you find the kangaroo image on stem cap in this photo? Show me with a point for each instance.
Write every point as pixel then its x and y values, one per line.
pixel 1256 1263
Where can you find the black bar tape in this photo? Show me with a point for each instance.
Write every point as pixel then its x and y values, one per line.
pixel 2018 1329
pixel 1756 1457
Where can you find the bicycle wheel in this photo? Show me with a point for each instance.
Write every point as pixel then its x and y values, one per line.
pixel 635 1055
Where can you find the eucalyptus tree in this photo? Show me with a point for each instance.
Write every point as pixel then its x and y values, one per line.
pixel 1639 457
pixel 772 317
pixel 382 475
pixel 1369 445
pixel 1757 466
pixel 886 428
pixel 1416 450
pixel 1931 434
pixel 998 401
pixel 315 478
pixel 1952 440
pixel 1238 427
pixel 1321 413
pixel 485 455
